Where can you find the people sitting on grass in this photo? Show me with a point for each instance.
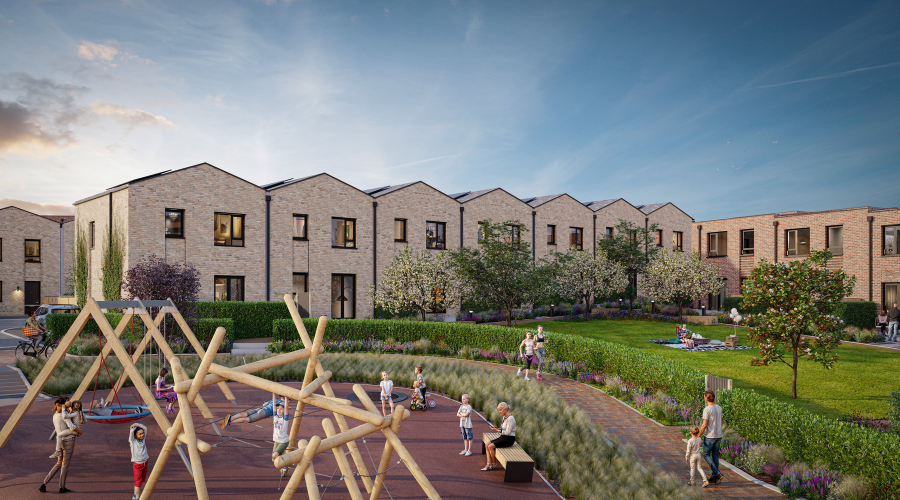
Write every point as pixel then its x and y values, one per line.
pixel 248 417
pixel 507 437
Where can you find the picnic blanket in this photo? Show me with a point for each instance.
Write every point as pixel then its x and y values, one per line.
pixel 705 347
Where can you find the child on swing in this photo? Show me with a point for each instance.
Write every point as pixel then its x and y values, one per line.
pixel 162 391
pixel 139 457
pixel 280 431
pixel 73 420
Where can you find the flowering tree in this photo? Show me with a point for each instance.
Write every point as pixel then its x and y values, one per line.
pixel 579 276
pixel 632 246
pixel 802 300
pixel 680 278
pixel 422 281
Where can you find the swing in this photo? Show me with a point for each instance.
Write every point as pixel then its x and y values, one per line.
pixel 120 414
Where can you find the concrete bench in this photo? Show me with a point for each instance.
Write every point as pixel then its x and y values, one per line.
pixel 517 463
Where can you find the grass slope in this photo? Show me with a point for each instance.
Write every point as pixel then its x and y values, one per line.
pixel 862 379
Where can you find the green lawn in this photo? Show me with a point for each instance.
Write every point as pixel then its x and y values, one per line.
pixel 861 380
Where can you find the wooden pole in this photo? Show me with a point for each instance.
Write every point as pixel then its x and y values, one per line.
pixel 411 464
pixel 315 384
pixel 344 465
pixel 188 423
pixel 206 362
pixel 309 451
pixel 386 455
pixel 308 376
pixel 312 486
pixel 89 376
pixel 253 367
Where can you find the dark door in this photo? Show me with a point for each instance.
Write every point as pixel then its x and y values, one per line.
pixel 343 296
pixel 32 295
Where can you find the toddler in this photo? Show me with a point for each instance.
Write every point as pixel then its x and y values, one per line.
pixel 465 425
pixel 417 395
pixel 386 387
pixel 73 420
pixel 421 380
pixel 692 455
pixel 139 457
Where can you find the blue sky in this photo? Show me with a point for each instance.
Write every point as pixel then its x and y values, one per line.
pixel 723 108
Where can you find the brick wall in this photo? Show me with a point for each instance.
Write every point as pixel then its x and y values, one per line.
pixel 565 212
pixel 498 206
pixel 16 226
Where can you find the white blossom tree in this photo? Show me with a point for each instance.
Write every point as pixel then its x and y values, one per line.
pixel 680 278
pixel 581 276
pixel 423 281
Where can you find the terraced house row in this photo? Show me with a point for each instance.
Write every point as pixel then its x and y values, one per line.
pixel 323 240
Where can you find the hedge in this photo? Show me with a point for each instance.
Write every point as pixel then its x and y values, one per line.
pixel 644 369
pixel 845 447
pixel 206 328
pixel 59 324
pixel 251 319
pixel 859 314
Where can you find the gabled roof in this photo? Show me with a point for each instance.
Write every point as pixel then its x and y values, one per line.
pixel 51 218
pixel 378 192
pixel 597 205
pixel 649 209
pixel 288 182
pixel 540 200
pixel 471 195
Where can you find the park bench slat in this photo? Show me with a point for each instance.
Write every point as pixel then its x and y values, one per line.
pixel 514 459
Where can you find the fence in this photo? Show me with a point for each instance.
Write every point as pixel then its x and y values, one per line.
pixel 718 383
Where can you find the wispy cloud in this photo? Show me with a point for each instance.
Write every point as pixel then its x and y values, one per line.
pixel 131 117
pixel 827 77
pixel 418 162
pixel 40 119
pixel 107 52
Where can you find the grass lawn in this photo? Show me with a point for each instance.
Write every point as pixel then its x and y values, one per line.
pixel 861 380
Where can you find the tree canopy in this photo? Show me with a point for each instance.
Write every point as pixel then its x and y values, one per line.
pixel 423 281
pixel 580 276
pixel 680 278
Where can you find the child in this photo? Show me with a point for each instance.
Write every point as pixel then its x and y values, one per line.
pixel 73 420
pixel 161 389
pixel 139 457
pixel 417 395
pixel 465 424
pixel 280 431
pixel 386 387
pixel 692 455
pixel 421 380
pixel 249 417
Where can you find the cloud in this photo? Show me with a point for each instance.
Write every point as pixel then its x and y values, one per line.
pixel 41 117
pixel 218 101
pixel 475 24
pixel 38 208
pixel 107 52
pixel 131 117
pixel 827 77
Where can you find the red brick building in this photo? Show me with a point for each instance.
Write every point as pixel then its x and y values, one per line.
pixel 864 241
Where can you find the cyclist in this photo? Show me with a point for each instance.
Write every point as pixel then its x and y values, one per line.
pixel 37 331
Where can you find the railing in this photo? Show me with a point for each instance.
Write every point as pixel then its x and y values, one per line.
pixel 716 384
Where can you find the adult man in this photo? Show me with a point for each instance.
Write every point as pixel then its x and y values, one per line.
pixel 893 322
pixel 712 424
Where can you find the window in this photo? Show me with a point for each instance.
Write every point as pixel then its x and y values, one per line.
pixel 747 242
pixel 889 294
pixel 229 288
pixel 718 244
pixel 609 233
pixel 400 230
pixel 891 234
pixel 32 250
pixel 797 242
pixel 1 291
pixel 300 227
pixel 515 233
pixel 434 235
pixel 677 241
pixel 174 223
pixel 91 233
pixel 229 230
pixel 343 296
pixel 632 235
pixel 301 293
pixel 834 239
pixel 659 237
pixel 480 231
pixel 576 238
pixel 551 234
pixel 343 233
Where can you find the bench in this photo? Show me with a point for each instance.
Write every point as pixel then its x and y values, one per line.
pixel 515 461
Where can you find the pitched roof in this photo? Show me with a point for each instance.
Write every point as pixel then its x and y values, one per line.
pixel 540 200
pixel 649 209
pixel 59 219
pixel 471 195
pixel 381 191
pixel 288 182
pixel 597 205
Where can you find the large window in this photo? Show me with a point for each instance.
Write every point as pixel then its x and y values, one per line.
pixel 677 241
pixel 343 233
pixel 797 241
pixel 576 238
pixel 91 233
pixel 659 237
pixel 891 235
pixel 834 239
pixel 747 242
pixel 609 232
pixel 174 223
pixel 301 293
pixel 300 229
pixel 434 235
pixel 890 294
pixel 400 230
pixel 229 288
pixel 32 250
pixel 718 244
pixel 551 234
pixel 343 296
pixel 229 230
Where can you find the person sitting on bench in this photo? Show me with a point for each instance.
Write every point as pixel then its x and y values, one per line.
pixel 507 437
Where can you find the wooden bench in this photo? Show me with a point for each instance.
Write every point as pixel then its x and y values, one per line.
pixel 517 463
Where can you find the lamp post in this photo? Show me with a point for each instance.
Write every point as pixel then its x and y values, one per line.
pixel 652 307
pixel 702 310
pixel 551 309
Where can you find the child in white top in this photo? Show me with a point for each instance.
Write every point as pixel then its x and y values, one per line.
pixel 692 455
pixel 465 425
pixel 280 430
pixel 421 379
pixel 386 387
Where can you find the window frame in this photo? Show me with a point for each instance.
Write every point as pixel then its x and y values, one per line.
pixel 1 291
pixel 480 235
pixel 180 211
pixel 443 233
pixel 579 233
pixel 243 237
pixel 353 299
pixel 709 238
pixel 516 233
pixel 896 246
pixel 659 237
pixel 610 232
pixel 884 285
pixel 828 238
pixel 551 234
pixel 351 240
pixel 305 236
pixel 678 241
pixel 405 225
pixel 744 249
pixel 91 232
pixel 228 279
pixel 34 259
pixel 797 236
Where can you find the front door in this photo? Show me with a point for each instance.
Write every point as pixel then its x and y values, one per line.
pixel 32 296
pixel 343 296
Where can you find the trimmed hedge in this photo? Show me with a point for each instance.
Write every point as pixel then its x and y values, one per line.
pixel 59 324
pixel 206 328
pixel 251 319
pixel 859 314
pixel 644 369
pixel 806 437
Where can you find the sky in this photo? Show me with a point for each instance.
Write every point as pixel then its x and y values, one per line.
pixel 722 108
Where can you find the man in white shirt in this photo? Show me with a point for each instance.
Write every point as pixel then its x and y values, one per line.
pixel 712 424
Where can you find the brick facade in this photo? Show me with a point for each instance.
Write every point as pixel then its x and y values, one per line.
pixel 496 205
pixel 565 213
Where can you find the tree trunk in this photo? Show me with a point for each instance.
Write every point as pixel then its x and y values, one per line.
pixel 794 380
pixel 422 309
pixel 509 318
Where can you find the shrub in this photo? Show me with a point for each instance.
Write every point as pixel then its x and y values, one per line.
pixel 893 414
pixel 814 484
pixel 206 328
pixel 251 319
pixel 59 324
pixel 859 314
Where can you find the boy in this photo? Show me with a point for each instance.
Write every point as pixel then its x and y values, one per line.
pixel 139 457
pixel 465 424
pixel 421 380
pixel 248 417
pixel 387 386
pixel 280 431
pixel 692 455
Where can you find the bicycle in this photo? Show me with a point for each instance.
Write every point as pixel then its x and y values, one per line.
pixel 30 349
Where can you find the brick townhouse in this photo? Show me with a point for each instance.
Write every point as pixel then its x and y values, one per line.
pixel 35 258
pixel 863 240
pixel 320 239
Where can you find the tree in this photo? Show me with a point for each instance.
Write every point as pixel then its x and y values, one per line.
pixel 501 272
pixel 680 278
pixel 113 265
pixel 423 281
pixel 631 246
pixel 80 269
pixel 802 301
pixel 579 276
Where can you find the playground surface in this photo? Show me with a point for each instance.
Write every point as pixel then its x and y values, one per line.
pixel 101 464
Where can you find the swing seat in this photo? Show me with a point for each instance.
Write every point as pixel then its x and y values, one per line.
pixel 121 414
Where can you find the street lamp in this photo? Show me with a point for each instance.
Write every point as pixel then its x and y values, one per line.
pixel 652 306
pixel 702 310
pixel 551 309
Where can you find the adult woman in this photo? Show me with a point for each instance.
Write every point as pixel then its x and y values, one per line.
pixel 507 437
pixel 539 342
pixel 68 448
pixel 528 357
pixel 881 322
pixel 34 330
